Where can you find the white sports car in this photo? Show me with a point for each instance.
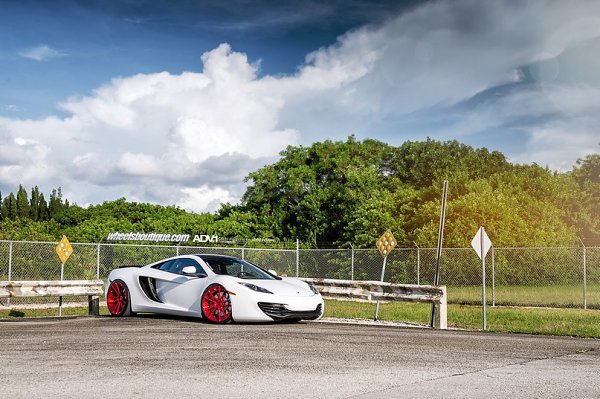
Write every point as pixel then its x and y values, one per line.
pixel 217 288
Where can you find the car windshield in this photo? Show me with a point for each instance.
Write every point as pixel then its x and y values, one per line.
pixel 236 267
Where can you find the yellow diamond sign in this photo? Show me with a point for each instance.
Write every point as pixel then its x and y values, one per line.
pixel 386 243
pixel 64 249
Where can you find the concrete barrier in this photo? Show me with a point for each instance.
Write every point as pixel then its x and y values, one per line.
pixel 380 291
pixel 90 288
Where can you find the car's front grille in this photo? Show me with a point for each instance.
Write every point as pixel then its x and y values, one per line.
pixel 279 311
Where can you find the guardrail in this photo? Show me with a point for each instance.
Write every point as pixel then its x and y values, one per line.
pixel 381 291
pixel 90 288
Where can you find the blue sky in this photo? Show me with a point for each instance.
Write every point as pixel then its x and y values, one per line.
pixel 175 102
pixel 91 42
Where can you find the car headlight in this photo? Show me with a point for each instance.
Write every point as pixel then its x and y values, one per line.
pixel 313 289
pixel 256 288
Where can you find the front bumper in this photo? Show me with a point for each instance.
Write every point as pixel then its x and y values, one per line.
pixel 280 311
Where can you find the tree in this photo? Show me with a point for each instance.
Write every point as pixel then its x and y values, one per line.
pixel 22 203
pixel 43 208
pixel 34 204
pixel 9 207
pixel 585 203
pixel 55 206
pixel 422 163
pixel 587 169
pixel 311 192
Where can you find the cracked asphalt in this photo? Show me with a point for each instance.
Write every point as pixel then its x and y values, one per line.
pixel 154 357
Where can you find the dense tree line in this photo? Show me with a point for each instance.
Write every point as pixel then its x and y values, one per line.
pixel 349 192
pixel 35 208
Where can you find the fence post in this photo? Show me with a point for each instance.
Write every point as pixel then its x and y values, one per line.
pixel 418 263
pixel 493 279
pixel 297 257
pixel 584 275
pixel 10 248
pixel 352 262
pixel 177 250
pixel 60 298
pixel 98 262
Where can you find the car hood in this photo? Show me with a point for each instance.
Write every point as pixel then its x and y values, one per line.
pixel 287 286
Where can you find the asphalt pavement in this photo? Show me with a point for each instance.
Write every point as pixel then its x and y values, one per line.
pixel 155 357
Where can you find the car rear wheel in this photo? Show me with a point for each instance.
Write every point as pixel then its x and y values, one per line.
pixel 117 299
pixel 216 304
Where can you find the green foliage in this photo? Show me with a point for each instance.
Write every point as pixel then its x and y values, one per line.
pixel 585 207
pixel 349 192
pixel 22 203
pixel 9 207
pixel 570 322
pixel 422 164
pixel 24 229
pixel 587 170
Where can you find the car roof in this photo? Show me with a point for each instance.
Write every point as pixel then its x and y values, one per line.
pixel 214 256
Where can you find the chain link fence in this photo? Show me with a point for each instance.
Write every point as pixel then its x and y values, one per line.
pixel 546 277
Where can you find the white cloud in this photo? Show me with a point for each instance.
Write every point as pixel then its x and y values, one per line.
pixel 189 139
pixel 21 159
pixel 41 53
pixel 205 197
pixel 163 137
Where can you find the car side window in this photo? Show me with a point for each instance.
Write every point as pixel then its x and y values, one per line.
pixel 165 266
pixel 216 265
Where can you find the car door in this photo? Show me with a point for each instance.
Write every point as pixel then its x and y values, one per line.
pixel 179 290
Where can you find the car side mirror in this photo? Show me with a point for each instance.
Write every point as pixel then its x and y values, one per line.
pixel 273 272
pixel 191 271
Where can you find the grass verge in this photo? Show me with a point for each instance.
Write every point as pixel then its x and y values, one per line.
pixel 566 322
pixel 558 295
pixel 570 322
pixel 66 311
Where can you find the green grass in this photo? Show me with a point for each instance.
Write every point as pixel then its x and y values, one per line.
pixel 570 322
pixel 546 295
pixel 76 311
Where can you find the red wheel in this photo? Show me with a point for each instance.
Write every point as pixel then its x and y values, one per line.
pixel 117 299
pixel 216 304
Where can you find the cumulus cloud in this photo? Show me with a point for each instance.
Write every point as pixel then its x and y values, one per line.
pixel 189 139
pixel 41 53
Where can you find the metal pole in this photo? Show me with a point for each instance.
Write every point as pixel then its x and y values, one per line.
pixel 382 275
pixel 60 298
pixel 244 250
pixel 98 262
pixel 10 249
pixel 297 257
pixel 493 279
pixel 177 250
pixel 352 263
pixel 483 279
pixel 584 279
pixel 436 278
pixel 418 263
pixel 584 275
